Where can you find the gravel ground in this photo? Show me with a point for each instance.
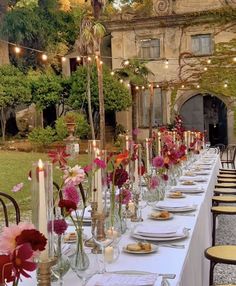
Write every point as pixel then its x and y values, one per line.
pixel 225 234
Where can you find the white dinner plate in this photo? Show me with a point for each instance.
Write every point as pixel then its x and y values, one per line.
pixel 177 210
pixel 181 236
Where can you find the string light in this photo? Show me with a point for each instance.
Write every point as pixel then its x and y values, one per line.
pixel 149 85
pixel 101 62
pixel 78 58
pixel 17 50
pixel 126 62
pixel 234 59
pixel 89 59
pixel 63 59
pixel 137 87
pixel 209 61
pixel 128 84
pixel 112 73
pixel 96 57
pixel 157 86
pixel 121 80
pixel 44 57
pixel 225 85
pixel 198 86
pixel 205 68
pixel 143 87
pixel 182 86
pixel 166 63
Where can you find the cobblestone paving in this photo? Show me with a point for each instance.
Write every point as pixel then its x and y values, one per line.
pixel 226 234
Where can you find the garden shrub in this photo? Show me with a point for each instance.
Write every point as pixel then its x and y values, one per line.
pixel 42 136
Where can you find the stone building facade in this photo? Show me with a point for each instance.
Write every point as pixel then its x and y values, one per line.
pixel 175 28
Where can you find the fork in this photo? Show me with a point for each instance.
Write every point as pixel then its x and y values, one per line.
pixel 172 245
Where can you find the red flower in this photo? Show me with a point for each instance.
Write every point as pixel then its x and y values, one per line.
pixel 5 269
pixel 88 168
pixel 164 177
pixel 68 205
pixel 21 260
pixel 59 226
pixel 35 238
pixel 141 170
pixel 59 156
pixel 121 176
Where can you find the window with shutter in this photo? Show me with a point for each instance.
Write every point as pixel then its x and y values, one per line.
pixel 202 44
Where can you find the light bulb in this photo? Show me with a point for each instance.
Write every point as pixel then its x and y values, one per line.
pixel 126 63
pixel 17 50
pixel 44 57
pixel 63 59
pixel 112 73
pixel 209 61
pixel 205 68
pixel 78 58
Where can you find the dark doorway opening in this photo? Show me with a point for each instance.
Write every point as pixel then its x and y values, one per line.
pixel 206 113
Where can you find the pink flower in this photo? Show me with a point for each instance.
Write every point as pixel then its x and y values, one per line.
pixel 70 193
pixel 100 163
pixel 74 175
pixel 167 139
pixel 154 182
pixel 125 196
pixel 17 187
pixel 88 168
pixel 8 236
pixel 158 162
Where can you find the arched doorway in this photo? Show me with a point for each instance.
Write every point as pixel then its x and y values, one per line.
pixel 207 113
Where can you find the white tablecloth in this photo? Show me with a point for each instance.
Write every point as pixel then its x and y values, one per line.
pixel 189 264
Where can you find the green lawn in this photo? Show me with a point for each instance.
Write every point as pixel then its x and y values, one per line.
pixel 14 169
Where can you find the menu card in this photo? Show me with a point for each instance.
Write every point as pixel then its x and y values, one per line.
pixel 114 279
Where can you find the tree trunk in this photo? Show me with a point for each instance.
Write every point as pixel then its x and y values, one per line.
pixel 151 109
pixel 89 102
pixel 97 6
pixel 4 50
pixel 134 113
pixel 3 123
pixel 101 104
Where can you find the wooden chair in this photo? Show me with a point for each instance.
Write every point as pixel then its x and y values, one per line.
pixel 225 185
pixel 224 191
pixel 230 154
pixel 223 199
pixel 222 148
pixel 5 201
pixel 220 210
pixel 225 254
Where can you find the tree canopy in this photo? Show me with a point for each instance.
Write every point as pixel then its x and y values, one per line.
pixel 116 95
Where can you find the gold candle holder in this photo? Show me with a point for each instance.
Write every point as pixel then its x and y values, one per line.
pixel 100 235
pixel 44 272
pixel 136 217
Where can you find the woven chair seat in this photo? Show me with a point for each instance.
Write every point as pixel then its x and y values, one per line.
pixel 231 210
pixel 226 180
pixel 224 199
pixel 225 185
pixel 225 191
pixel 222 254
pixel 225 176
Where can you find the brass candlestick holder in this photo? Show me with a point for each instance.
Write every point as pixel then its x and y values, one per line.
pixel 100 235
pixel 44 272
pixel 136 217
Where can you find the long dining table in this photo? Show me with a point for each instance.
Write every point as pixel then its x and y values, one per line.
pixel 188 264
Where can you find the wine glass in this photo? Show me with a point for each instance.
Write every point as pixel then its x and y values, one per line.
pixel 92 269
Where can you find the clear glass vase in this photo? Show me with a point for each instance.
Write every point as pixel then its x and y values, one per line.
pixel 83 263
pixel 62 266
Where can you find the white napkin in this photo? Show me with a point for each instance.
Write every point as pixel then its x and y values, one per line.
pixel 194 179
pixel 113 279
pixel 150 231
pixel 171 204
pixel 186 188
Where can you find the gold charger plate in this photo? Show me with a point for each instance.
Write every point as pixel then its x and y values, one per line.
pixel 161 218
pixel 154 248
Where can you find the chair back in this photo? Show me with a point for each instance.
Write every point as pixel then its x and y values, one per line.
pixel 221 148
pixel 230 153
pixel 7 201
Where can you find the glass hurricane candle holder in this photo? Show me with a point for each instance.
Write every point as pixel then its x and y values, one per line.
pixel 42 205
